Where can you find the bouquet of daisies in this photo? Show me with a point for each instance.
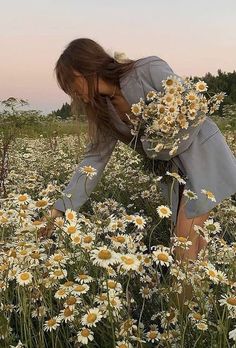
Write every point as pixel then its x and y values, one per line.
pixel 165 117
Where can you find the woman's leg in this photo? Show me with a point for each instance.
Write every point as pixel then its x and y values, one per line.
pixel 184 228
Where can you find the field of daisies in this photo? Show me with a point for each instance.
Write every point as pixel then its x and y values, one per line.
pixel 107 277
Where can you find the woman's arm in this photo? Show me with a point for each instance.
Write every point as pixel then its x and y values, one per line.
pixel 76 186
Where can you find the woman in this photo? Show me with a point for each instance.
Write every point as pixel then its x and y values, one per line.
pixel 108 88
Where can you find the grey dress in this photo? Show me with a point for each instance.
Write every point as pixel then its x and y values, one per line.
pixel 204 159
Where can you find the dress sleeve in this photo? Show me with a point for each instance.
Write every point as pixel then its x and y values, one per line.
pixel 159 70
pixel 76 187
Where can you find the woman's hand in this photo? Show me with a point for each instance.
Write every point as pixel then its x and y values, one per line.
pixel 46 232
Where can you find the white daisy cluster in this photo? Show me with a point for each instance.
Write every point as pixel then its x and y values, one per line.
pixel 166 116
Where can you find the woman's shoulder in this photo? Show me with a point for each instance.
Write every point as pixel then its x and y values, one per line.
pixel 148 59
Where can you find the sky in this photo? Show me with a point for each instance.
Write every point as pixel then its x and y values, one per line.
pixel 194 37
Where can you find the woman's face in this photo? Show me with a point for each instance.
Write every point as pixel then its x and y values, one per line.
pixel 80 87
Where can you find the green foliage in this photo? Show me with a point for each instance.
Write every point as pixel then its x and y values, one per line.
pixel 222 82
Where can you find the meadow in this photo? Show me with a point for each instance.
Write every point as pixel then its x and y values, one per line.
pixel 107 276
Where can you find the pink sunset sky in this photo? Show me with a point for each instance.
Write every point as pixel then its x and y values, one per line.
pixel 194 37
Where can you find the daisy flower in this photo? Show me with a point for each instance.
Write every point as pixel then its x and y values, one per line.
pixel 58 273
pixel 89 171
pixel 222 277
pixel 37 224
pixel 85 335
pixel 170 82
pixel 58 259
pixel 76 238
pixel 23 198
pixel 191 96
pixel 118 240
pixel 70 215
pixel 152 336
pixel 71 302
pixel 129 262
pixel 228 300
pixel 190 194
pixel 212 227
pixel 201 86
pixel 24 278
pixel 59 221
pixel 61 293
pixel 51 324
pixel 196 317
pixel 232 334
pixel 136 109
pixel 181 241
pixel 112 285
pixel 145 292
pixel 92 316
pixel 71 228
pixel 139 221
pixel 83 278
pixel 209 195
pixel 213 274
pixel 103 256
pixel 176 176
pixel 202 326
pixel 161 256
pixel 67 314
pixel 80 289
pixel 42 203
pixel 87 240
pixel 163 211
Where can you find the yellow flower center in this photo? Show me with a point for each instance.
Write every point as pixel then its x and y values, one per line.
pixel 103 297
pixel 83 276
pixel 85 332
pixel 104 254
pixel 127 260
pixel 58 272
pixel 88 239
pixel 71 229
pixel 139 221
pixel 51 322
pixel 24 276
pixel 231 301
pixel 35 255
pixel 91 317
pixel 169 82
pixel 197 316
pixel 152 334
pixel 71 301
pixel 162 257
pixel 212 273
pixel 80 288
pixel 68 312
pixel 70 216
pixel 41 203
pixel 111 284
pixel 22 198
pixel 182 239
pixel 120 239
